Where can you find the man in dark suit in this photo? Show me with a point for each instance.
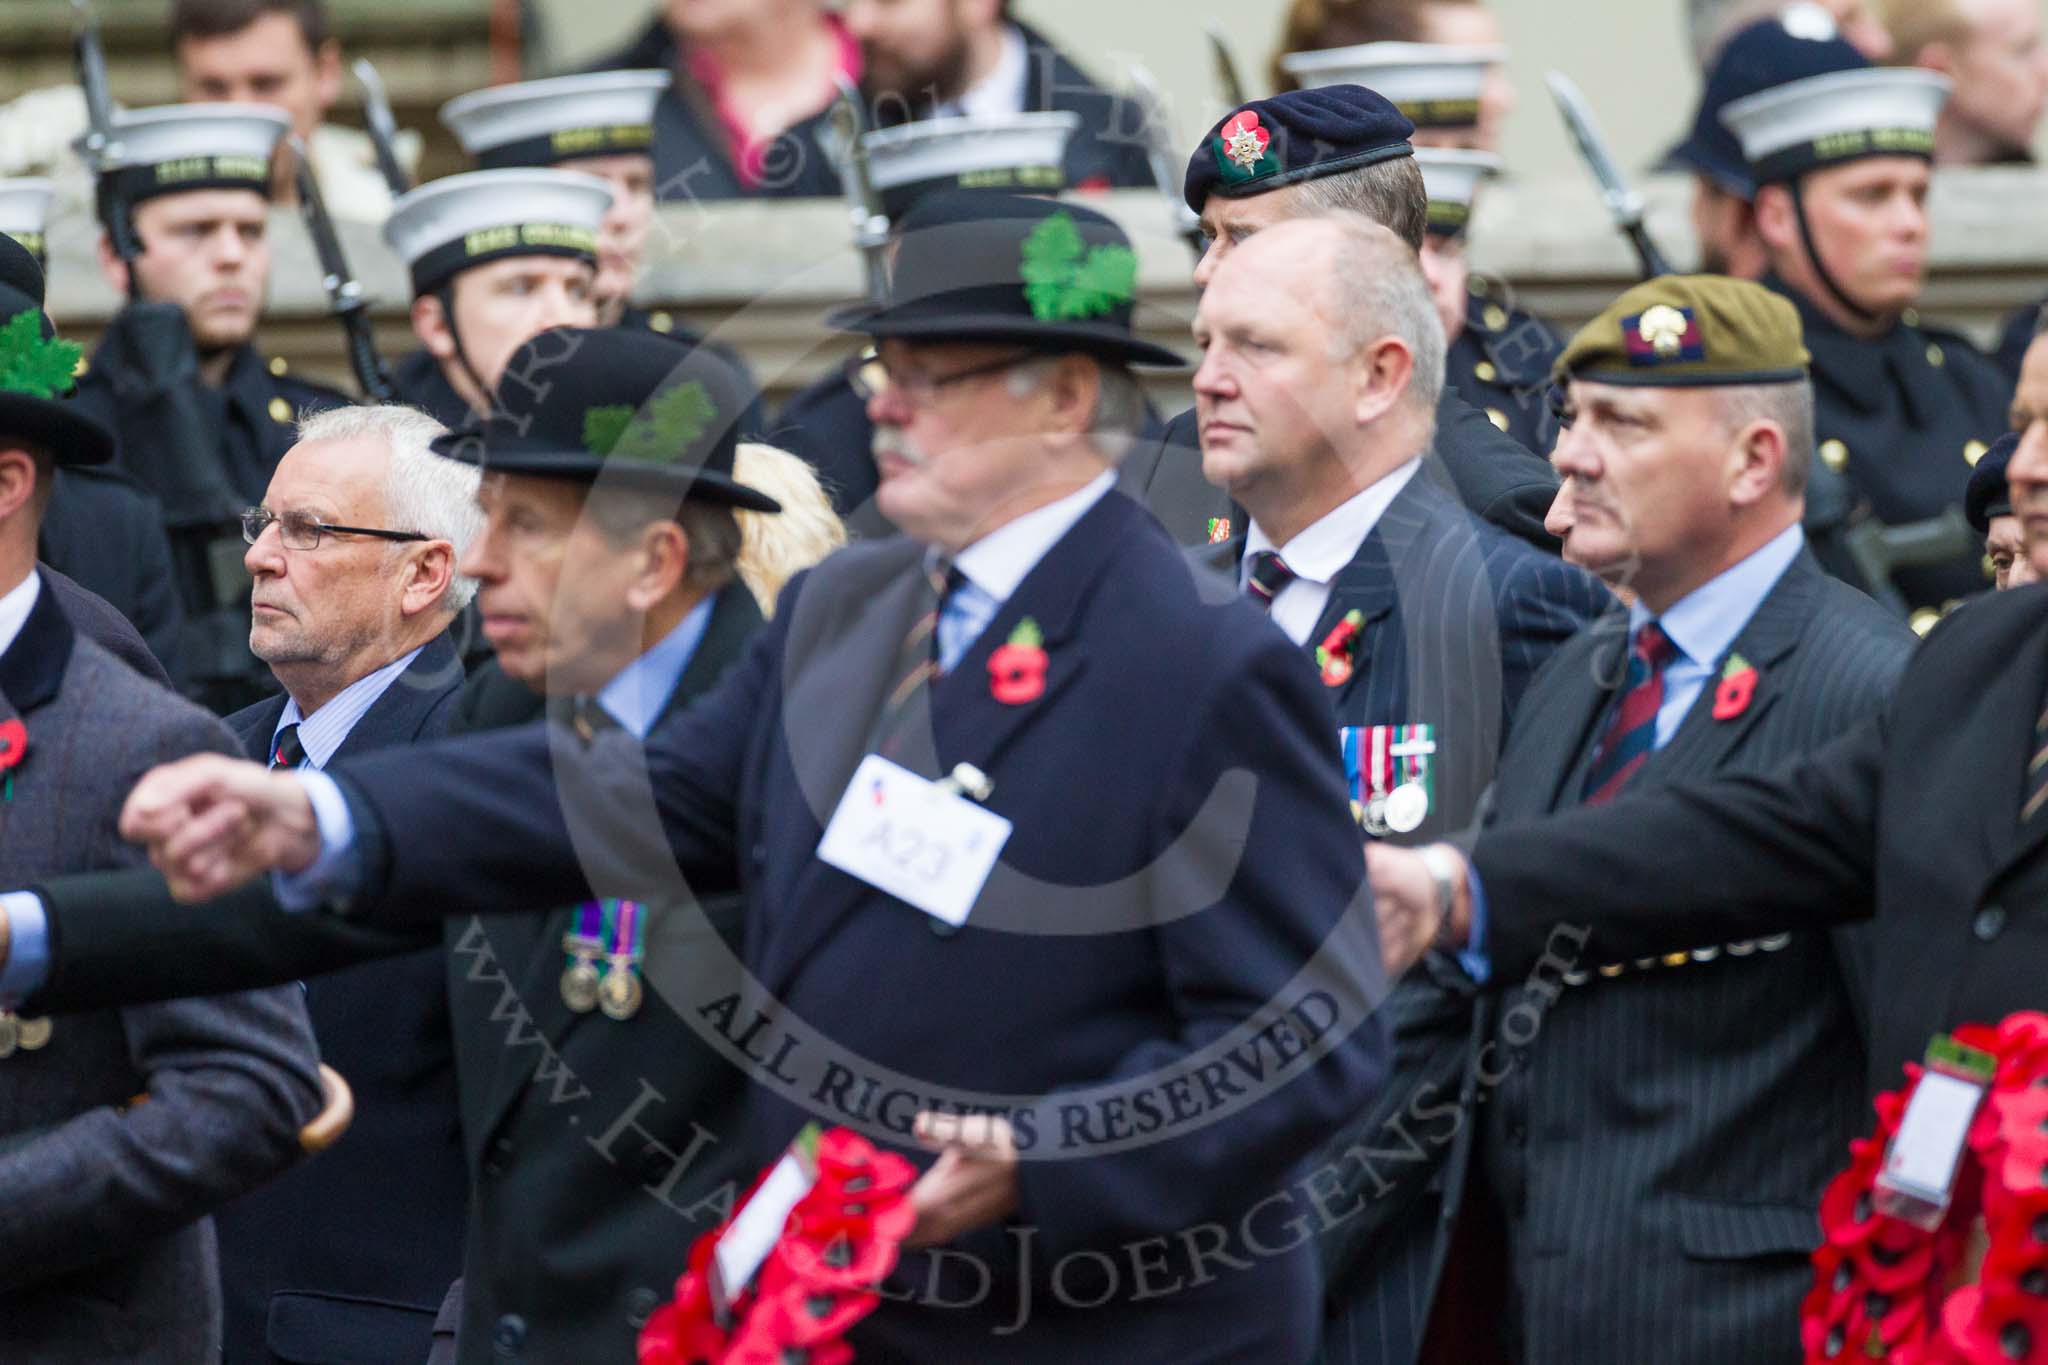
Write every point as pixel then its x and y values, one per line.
pixel 1323 357
pixel 618 596
pixel 1062 678
pixel 351 1255
pixel 1294 156
pixel 120 1130
pixel 1707 1094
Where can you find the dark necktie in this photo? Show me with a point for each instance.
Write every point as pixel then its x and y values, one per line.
pixel 1632 731
pixel 1266 574
pixel 2036 792
pixel 917 660
pixel 285 750
pixel 589 719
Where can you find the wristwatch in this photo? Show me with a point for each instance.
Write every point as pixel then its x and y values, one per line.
pixel 1443 880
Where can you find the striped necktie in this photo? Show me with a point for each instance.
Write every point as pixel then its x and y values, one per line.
pixel 1266 576
pixel 2037 772
pixel 285 750
pixel 1632 731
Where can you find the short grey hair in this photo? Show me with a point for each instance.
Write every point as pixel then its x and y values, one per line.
pixel 1790 406
pixel 1119 402
pixel 1378 290
pixel 423 492
pixel 1390 193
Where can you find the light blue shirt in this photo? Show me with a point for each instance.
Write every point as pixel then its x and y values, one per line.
pixel 28 951
pixel 1703 625
pixel 323 732
pixel 992 567
pixel 634 698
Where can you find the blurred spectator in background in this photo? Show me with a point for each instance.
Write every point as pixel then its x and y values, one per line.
pixel 746 73
pixel 1992 50
pixel 283 53
pixel 1713 22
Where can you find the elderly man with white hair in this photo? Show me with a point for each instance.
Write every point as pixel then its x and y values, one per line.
pixel 353 553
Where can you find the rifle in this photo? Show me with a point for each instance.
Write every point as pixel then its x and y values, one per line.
pixel 1160 151
pixel 1226 64
pixel 1878 549
pixel 1623 203
pixel 344 294
pixel 100 149
pixel 383 127
pixel 864 205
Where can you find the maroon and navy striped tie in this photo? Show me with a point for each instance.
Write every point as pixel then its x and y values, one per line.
pixel 286 751
pixel 1266 575
pixel 1632 732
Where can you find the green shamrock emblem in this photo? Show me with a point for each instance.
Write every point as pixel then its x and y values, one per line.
pixel 32 366
pixel 1065 279
pixel 673 422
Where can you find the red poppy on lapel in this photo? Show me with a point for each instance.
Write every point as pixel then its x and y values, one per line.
pixel 1334 653
pixel 13 744
pixel 1016 670
pixel 1736 688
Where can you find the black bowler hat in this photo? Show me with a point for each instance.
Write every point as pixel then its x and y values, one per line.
pixel 1296 136
pixel 1988 494
pixel 627 408
pixel 36 369
pixel 978 266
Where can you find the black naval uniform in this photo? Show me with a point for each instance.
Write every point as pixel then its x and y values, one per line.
pixel 252 417
pixel 417 381
pixel 1899 420
pixel 1500 364
pixel 105 530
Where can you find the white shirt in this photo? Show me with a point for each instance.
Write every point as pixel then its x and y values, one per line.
pixel 994 565
pixel 15 607
pixel 1322 550
pixel 1001 92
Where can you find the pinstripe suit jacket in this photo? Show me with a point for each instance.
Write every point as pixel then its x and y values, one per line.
pixel 103 1199
pixel 1458 617
pixel 1658 1148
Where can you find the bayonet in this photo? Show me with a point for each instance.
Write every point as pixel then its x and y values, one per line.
pixel 1624 205
pixel 864 205
pixel 383 127
pixel 344 293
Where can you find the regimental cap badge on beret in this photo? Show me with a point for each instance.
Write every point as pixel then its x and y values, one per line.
pixel 1689 330
pixel 1243 148
pixel 1662 334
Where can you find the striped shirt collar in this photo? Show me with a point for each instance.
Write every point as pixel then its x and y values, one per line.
pixel 326 729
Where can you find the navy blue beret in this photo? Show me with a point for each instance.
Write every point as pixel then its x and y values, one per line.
pixel 1988 496
pixel 1296 136
pixel 1765 55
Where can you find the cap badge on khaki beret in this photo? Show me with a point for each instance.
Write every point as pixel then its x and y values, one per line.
pixel 1662 335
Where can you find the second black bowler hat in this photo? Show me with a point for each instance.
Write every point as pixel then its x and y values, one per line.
pixel 1035 272
pixel 627 408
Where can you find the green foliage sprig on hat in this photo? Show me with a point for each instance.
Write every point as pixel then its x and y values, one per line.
pixel 674 422
pixel 1067 280
pixel 32 365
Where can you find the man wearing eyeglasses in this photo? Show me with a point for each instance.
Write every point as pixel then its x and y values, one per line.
pixel 353 558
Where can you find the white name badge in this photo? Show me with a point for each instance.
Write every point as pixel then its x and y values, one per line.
pixel 919 841
pixel 1919 1172
pixel 758 1226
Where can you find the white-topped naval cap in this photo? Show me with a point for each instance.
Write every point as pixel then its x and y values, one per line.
pixel 175 133
pixel 538 123
pixel 1020 153
pixel 463 220
pixel 1437 85
pixel 25 211
pixel 1839 116
pixel 1451 177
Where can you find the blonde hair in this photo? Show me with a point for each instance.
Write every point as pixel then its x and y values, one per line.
pixel 775 546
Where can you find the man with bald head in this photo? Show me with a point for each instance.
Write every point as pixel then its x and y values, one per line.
pixel 1316 400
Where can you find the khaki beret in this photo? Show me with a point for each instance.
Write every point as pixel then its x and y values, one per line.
pixel 1689 331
